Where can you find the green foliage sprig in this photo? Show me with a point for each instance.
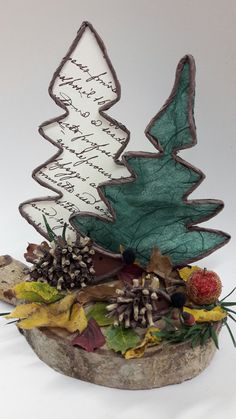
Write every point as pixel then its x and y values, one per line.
pixel 197 334
pixel 200 332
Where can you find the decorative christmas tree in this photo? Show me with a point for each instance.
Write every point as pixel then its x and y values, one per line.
pixel 61 309
pixel 89 142
pixel 151 209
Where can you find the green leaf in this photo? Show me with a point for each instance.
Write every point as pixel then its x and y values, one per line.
pixel 64 231
pixel 151 210
pixel 120 339
pixel 192 329
pixel 231 303
pixel 4 314
pixel 229 310
pixel 205 307
pixel 195 340
pixel 51 234
pixel 214 336
pixel 169 322
pixel 232 317
pixel 231 334
pixel 204 336
pixel 231 292
pixel 99 313
pixel 199 333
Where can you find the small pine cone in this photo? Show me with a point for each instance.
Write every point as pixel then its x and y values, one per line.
pixel 63 265
pixel 139 304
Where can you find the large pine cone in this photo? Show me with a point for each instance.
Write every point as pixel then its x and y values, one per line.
pixel 62 264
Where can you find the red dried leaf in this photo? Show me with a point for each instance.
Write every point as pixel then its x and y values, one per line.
pixel 130 272
pixel 91 338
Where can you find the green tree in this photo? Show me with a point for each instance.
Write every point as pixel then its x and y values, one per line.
pixel 151 207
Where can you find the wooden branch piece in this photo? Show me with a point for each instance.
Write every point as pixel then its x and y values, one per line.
pixel 12 272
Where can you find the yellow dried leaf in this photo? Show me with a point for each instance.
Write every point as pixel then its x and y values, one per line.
pixel 77 321
pixel 36 292
pixel 185 272
pixel 214 315
pixel 148 340
pixel 63 314
pixel 64 304
pixel 23 310
pixel 71 320
pixel 40 318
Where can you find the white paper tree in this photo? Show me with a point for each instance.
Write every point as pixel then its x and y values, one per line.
pixel 89 141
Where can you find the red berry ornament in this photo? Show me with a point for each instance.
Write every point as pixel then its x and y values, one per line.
pixel 204 287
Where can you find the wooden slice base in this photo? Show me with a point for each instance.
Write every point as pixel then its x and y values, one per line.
pixel 161 365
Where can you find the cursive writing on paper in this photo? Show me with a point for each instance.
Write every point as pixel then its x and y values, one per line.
pixel 89 141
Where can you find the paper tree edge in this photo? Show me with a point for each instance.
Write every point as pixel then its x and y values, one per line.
pixel 102 110
pixel 219 204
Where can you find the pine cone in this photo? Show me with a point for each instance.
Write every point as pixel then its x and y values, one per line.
pixel 63 265
pixel 139 304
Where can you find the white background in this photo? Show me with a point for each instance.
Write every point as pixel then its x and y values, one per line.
pixel 145 40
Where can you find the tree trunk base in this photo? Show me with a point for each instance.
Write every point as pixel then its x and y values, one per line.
pixel 161 365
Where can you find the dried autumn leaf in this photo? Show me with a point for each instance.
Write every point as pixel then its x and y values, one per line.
pixel 71 320
pixel 63 314
pixel 43 318
pixel 23 310
pixel 77 320
pixel 100 292
pixel 64 304
pixel 185 272
pixel 34 251
pixel 99 313
pixel 148 340
pixel 9 294
pixel 159 264
pixel 201 316
pixel 39 292
pixel 91 338
pixel 120 339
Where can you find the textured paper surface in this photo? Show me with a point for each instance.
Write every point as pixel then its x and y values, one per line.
pixel 154 210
